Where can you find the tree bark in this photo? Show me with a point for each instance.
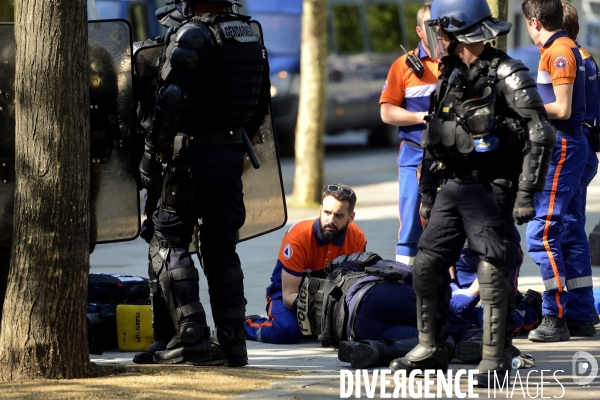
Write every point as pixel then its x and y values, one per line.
pixel 312 110
pixel 43 332
pixel 499 9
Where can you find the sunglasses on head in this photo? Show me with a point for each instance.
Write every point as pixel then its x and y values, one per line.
pixel 335 188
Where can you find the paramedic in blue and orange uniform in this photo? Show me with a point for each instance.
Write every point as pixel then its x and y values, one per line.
pixel 576 251
pixel 307 246
pixel 561 82
pixel 404 103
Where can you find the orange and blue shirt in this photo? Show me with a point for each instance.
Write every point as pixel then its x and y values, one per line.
pixel 403 89
pixel 561 63
pixel 303 250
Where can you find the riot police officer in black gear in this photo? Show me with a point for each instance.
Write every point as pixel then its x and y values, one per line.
pixel 488 144
pixel 214 84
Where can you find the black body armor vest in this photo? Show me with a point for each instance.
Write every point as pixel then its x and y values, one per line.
pixel 468 131
pixel 227 93
pixel 328 311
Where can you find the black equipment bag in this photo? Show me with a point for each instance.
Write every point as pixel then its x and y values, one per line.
pixel 105 292
pixel 118 288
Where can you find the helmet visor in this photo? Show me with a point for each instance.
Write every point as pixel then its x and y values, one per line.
pixel 433 28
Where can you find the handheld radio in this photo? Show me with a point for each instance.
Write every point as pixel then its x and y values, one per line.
pixel 414 63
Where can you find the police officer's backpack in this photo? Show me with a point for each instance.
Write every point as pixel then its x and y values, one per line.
pixel 105 292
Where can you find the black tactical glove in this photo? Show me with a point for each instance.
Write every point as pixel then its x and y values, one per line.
pixel 523 211
pixel 151 170
pixel 147 231
pixel 427 200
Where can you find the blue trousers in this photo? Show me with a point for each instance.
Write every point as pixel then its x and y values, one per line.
pixel 466 273
pixel 280 327
pixel 389 310
pixel 576 246
pixel 409 200
pixel 556 238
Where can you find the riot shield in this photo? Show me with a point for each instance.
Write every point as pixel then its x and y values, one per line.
pixel 264 196
pixel 114 200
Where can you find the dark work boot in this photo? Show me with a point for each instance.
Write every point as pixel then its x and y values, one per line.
pixel 373 353
pixel 147 356
pixel 238 357
pixel 469 350
pixel 421 357
pixel 552 329
pixel 490 371
pixel 233 344
pixel 495 289
pixel 581 328
pixel 190 346
pixel 433 351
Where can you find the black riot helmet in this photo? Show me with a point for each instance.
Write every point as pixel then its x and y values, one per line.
pixel 466 21
pixel 187 7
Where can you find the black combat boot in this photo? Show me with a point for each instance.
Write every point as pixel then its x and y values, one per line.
pixel 233 345
pixel 163 329
pixel 433 351
pixel 190 346
pixel 495 292
pixel 228 348
pixel 581 328
pixel 491 371
pixel 373 353
pixel 147 356
pixel 469 350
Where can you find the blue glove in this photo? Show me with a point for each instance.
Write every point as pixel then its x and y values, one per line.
pixel 461 298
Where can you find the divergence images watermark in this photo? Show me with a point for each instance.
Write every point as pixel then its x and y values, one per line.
pixel 431 383
pixel 584 368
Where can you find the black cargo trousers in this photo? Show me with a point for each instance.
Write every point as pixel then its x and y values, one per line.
pixel 216 199
pixel 480 212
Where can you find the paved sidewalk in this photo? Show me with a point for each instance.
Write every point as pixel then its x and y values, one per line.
pixel 322 379
pixel 376 214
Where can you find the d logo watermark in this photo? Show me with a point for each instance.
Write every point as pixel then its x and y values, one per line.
pixel 584 368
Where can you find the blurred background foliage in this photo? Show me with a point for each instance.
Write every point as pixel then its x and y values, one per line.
pixel 389 25
pixel 7 10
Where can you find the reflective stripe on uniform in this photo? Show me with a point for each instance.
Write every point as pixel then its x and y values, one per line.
pixel 551 283
pixel 582 281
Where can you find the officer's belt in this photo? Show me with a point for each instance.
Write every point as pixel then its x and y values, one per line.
pixel 474 178
pixel 223 137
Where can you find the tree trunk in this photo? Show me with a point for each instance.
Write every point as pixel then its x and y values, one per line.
pixel 43 333
pixel 500 10
pixel 312 110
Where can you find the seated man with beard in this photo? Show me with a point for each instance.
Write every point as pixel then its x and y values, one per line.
pixel 307 246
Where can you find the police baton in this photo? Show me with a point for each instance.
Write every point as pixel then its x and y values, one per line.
pixel 250 150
